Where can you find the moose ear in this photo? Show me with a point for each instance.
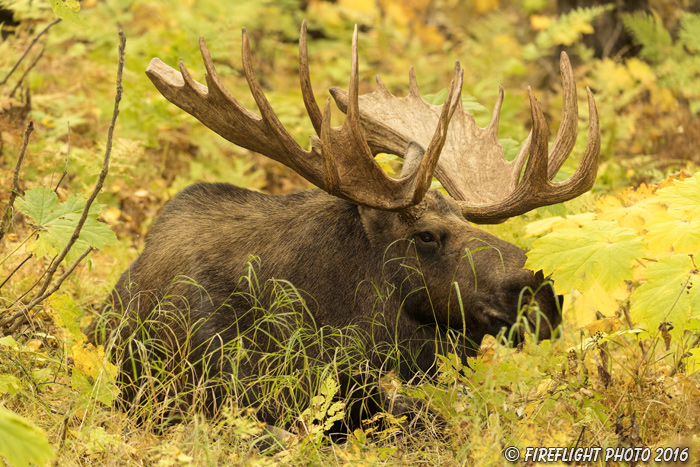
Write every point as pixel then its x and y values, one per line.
pixel 412 158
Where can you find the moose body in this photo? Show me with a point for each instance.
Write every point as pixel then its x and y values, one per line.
pixel 243 291
pixel 399 281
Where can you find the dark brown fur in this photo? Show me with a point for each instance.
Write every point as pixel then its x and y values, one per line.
pixel 361 273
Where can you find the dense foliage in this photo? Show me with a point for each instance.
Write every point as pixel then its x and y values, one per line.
pixel 626 256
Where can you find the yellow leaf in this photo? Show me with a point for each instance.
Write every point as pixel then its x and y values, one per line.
pixel 483 6
pixel 72 4
pixel 557 222
pixel 663 99
pixel 672 232
pixel 606 326
pixel 585 305
pixel 614 77
pixel 364 6
pixel 641 71
pixel 539 22
pixel 325 13
pixel 66 315
pixel 541 226
pixel 631 214
pixel 428 34
pixel 89 359
pixel 694 360
pixel 683 196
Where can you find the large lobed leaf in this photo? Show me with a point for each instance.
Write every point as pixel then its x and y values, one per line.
pixel 684 196
pixel 600 252
pixel 57 221
pixel 22 443
pixel 671 293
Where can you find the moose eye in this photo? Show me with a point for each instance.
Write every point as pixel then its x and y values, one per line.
pixel 425 237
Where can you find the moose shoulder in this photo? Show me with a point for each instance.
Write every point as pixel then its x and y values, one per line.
pixel 384 261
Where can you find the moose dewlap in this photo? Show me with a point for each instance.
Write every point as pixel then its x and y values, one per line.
pixel 268 298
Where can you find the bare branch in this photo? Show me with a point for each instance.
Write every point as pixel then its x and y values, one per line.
pixel 6 218
pixel 65 169
pixel 26 72
pixel 15 270
pixel 31 44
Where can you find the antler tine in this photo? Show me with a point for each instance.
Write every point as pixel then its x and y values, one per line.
pixel 583 179
pixel 430 159
pixel 353 104
pixel 268 114
pixel 496 115
pixel 536 168
pixel 307 91
pixel 330 169
pixel 568 128
pixel 412 83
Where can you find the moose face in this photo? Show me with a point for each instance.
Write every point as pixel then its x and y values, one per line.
pixel 456 276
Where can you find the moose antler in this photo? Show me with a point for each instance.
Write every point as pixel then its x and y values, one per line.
pixel 340 162
pixel 472 167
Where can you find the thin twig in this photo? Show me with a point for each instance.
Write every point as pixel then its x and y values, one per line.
pixel 15 180
pixel 26 72
pixel 15 270
pixel 65 169
pixel 36 38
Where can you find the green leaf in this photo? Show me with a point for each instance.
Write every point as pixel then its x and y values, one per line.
pixel 57 221
pixel 599 252
pixel 9 341
pixel 510 148
pixel 690 31
pixel 436 99
pixel 68 10
pixel 9 384
pixel 102 388
pixel 469 103
pixel 100 441
pixel 22 443
pixel 670 294
pixel 472 105
pixel 649 32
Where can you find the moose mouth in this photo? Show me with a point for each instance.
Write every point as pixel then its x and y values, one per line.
pixel 512 329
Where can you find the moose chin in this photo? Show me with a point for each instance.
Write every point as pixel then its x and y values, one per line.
pixel 239 292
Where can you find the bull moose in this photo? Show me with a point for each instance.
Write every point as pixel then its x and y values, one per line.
pixel 239 292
